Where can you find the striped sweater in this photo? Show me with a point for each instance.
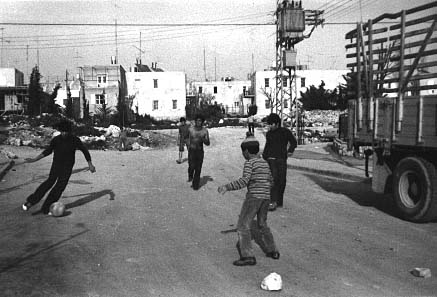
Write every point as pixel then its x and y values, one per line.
pixel 256 177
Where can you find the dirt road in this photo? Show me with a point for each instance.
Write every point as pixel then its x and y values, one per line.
pixel 136 228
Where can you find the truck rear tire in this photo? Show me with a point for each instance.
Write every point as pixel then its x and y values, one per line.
pixel 415 189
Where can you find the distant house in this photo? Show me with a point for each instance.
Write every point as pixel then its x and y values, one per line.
pixel 264 86
pixel 103 84
pixel 155 92
pixel 12 90
pixel 77 94
pixel 229 93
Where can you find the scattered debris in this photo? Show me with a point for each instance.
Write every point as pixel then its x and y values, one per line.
pixel 272 282
pixel 421 272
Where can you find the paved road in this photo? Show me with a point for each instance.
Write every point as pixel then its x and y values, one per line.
pixel 136 228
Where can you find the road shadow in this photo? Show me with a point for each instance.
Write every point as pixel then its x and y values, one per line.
pixel 204 180
pixel 17 261
pixel 89 197
pixel 358 191
pixel 41 178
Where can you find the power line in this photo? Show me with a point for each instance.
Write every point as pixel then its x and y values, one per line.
pixel 136 25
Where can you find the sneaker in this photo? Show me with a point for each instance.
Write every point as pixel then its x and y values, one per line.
pixel 274 255
pixel 272 206
pixel 26 206
pixel 245 261
pixel 190 179
pixel 178 161
pixel 49 213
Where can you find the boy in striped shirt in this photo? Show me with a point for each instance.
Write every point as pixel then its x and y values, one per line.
pixel 258 180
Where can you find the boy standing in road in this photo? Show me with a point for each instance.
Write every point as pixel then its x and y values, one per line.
pixel 63 147
pixel 275 152
pixel 183 137
pixel 258 180
pixel 198 135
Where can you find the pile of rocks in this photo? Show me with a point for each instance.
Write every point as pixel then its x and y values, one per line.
pixel 314 118
pixel 23 134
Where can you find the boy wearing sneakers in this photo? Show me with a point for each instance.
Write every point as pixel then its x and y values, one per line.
pixel 258 180
pixel 63 147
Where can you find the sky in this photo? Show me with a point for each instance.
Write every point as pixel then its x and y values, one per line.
pixel 60 35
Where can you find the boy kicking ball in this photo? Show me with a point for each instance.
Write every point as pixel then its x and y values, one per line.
pixel 258 180
pixel 63 147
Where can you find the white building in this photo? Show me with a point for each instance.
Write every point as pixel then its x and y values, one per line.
pixel 228 93
pixel 12 90
pixel 159 94
pixel 264 86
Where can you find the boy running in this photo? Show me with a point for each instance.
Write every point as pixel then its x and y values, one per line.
pixel 258 180
pixel 198 136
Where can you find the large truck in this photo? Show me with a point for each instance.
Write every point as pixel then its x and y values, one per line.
pixel 392 89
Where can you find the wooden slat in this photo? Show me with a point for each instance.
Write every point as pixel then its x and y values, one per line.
pixel 410 34
pixel 415 22
pixel 413 56
pixel 353 33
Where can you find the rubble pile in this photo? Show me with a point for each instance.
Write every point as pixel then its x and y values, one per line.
pixel 320 118
pixel 21 133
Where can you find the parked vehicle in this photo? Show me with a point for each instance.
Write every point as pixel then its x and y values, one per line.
pixel 394 106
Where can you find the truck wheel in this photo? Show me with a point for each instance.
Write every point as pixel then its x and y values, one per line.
pixel 415 189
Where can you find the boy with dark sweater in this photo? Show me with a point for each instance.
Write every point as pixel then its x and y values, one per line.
pixel 258 180
pixel 280 143
pixel 63 147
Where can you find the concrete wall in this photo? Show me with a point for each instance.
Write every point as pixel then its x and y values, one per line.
pixel 158 100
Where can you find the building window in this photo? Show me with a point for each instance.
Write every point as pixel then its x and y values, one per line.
pixel 155 83
pixel 100 99
pixel 155 104
pixel 302 82
pixel 101 79
pixel 266 82
pixel 175 104
pixel 215 89
pixel 285 103
pixel 284 83
pixel 267 104
pixel 137 79
pixel 236 104
pixel 200 90
pixel 244 90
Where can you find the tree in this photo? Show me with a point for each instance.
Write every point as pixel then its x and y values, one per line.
pixel 103 114
pixel 35 93
pixel 252 110
pixel 319 98
pixel 51 105
pixel 69 111
pixel 269 94
pixel 203 104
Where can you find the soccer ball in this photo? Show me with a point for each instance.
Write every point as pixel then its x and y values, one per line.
pixel 57 209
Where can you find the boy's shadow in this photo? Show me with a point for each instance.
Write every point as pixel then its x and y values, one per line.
pixel 204 180
pixel 89 198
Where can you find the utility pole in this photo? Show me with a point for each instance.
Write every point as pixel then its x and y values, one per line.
pixel 116 43
pixel 27 62
pixel 291 19
pixel 1 56
pixel 204 63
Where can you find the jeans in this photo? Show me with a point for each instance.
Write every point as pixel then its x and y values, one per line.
pixel 278 167
pixel 251 127
pixel 248 228
pixel 60 176
pixel 195 161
